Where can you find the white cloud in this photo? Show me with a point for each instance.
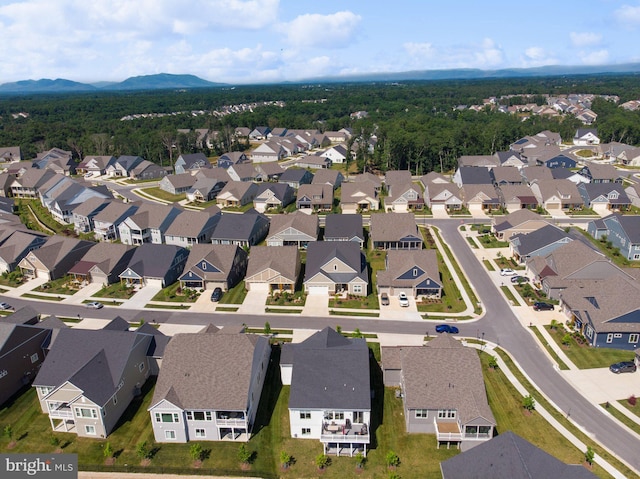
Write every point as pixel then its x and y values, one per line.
pixel 585 39
pixel 628 15
pixel 420 49
pixel 490 55
pixel 336 30
pixel 536 57
pixel 598 57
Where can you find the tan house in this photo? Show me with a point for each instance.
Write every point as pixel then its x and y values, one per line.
pixel 273 268
pixel 520 221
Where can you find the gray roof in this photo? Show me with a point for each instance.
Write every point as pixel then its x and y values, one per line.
pixel 591 191
pixel 238 227
pixel 329 372
pixel 368 178
pixel 528 243
pixel 24 315
pixel 325 175
pixel 394 177
pixel 302 222
pixel 282 259
pixel 473 175
pixel 319 253
pixel 209 371
pixel 393 226
pixel 279 190
pixel 114 211
pixel 629 223
pixel 152 260
pixel 92 360
pixel 478 161
pixel 343 227
pixel 509 174
pixel 444 375
pixel 222 257
pixel 57 248
pixel 295 174
pixel 12 335
pixel 516 218
pixel 182 180
pixel 191 224
pixel 152 215
pixel 399 262
pixel 508 456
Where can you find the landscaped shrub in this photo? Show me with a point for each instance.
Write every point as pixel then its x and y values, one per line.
pixel 632 400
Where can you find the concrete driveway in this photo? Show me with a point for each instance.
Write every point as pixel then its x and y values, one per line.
pixel 142 297
pixel 396 312
pixel 254 302
pixel 601 385
pixel 316 305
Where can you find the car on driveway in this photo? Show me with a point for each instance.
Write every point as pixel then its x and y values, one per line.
pixel 403 300
pixel 507 272
pixel 384 299
pixel 445 328
pixel 542 306
pixel 94 305
pixel 5 306
pixel 216 295
pixel 519 279
pixel 623 367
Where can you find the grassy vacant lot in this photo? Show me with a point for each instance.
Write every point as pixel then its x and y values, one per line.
pixel 585 356
pixel 418 453
pixel 235 295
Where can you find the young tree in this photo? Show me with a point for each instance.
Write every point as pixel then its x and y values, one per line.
pixel 142 450
pixel 267 328
pixel 392 459
pixel 107 452
pixel 322 461
pixel 244 454
pixel 360 460
pixel 195 451
pixel 493 362
pixel 589 455
pixel 529 403
pixel 285 459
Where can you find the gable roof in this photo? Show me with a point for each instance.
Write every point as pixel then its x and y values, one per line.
pixel 343 226
pixel 282 259
pixel 319 253
pixel 393 226
pixel 302 222
pixel 516 218
pixel 527 243
pixel 399 262
pixel 238 227
pixel 153 260
pixel 218 259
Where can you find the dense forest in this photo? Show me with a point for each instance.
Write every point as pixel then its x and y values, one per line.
pixel 416 123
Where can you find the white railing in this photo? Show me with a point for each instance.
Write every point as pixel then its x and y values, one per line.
pixel 231 422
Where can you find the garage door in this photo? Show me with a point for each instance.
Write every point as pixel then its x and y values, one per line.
pixel 318 290
pixel 407 291
pixel 156 283
pixel 553 206
pixel 599 207
pixel 258 286
pixel 440 208
pixel 475 208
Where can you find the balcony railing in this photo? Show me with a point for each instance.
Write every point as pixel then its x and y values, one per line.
pixel 60 412
pixel 358 433
pixel 231 422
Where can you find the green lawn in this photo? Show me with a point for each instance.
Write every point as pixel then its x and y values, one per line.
pixel 488 264
pixel 298 298
pixel 162 195
pixel 235 295
pixel 115 291
pixel 550 350
pixel 58 286
pixel 634 409
pixel 490 241
pixel 634 426
pixel 586 357
pixel 507 292
pixel 177 294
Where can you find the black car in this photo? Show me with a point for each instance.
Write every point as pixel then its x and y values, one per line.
pixel 623 367
pixel 519 279
pixel 540 306
pixel 216 295
pixel 445 328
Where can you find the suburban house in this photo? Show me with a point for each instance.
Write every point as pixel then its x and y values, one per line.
pixel 567 174
pixel 534 174
pixel 480 197
pixel 296 177
pixel 123 165
pixel 560 161
pixel 107 220
pixel 315 198
pixel 403 197
pixel 56 159
pixel 192 227
pixel 508 456
pixel 269 171
pixel 54 258
pixel 236 193
pixel 600 173
pixel 516 197
pixel 296 229
pixel 433 177
pixel 268 151
pixel 244 172
pixel 245 230
pixel 22 349
pixel 330 398
pixel 557 194
pixel 369 178
pixel 394 231
pixel 157 265
pixel 259 133
pixel 16 245
pixel 84 213
pixel 506 175
pixel 442 390
pixel 413 272
pixel 520 221
pixel 191 162
pixel 396 177
pixel 10 154
pixel 102 263
pixel 337 154
pixel 605 311
pixel 344 228
pixel 204 189
pixel 329 177
pixel 273 195
pixel 622 230
pixel 65 195
pixel 146 170
pixel 511 158
pixel 89 377
pixel 540 242
pixel 586 137
pixel 273 268
pixel 97 165
pixel 314 162
pixel 335 267
pixel 231 158
pixel 209 387
pixel 602 197
pixel 148 224
pixel 358 197
pixel 444 197
pixel 177 184
pixel 212 266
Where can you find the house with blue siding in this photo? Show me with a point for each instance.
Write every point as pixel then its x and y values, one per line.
pixel 604 196
pixel 622 231
pixel 537 243
pixel 560 161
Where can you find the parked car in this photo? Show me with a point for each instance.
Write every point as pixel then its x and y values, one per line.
pixel 519 279
pixel 94 305
pixel 445 328
pixel 5 306
pixel 216 295
pixel 403 300
pixel 384 299
pixel 623 367
pixel 541 306
pixel 507 272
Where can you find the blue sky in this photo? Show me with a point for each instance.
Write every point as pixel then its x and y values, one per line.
pixel 257 41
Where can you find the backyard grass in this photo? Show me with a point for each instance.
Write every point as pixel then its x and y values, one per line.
pixel 631 424
pixel 585 356
pixel 115 291
pixel 549 349
pixel 162 195
pixel 560 417
pixel 175 293
pixel 235 295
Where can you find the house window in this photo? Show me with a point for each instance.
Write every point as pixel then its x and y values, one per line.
pixel 357 288
pixel 91 430
pixel 422 413
pixel 633 338
pixel 446 414
pixel 415 272
pixel 86 412
pixel 305 414
pixel 201 433
pixel 141 367
pixel 34 358
pixel 115 400
pixel 588 332
pixel 610 338
pixel 636 256
pixel 44 390
pixel 306 431
pixel 334 415
pixel 617 335
pixel 169 434
pixel 167 417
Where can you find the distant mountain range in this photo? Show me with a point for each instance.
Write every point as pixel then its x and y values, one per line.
pixel 163 81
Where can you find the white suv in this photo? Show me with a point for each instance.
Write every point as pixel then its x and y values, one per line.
pixel 507 272
pixel 404 301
